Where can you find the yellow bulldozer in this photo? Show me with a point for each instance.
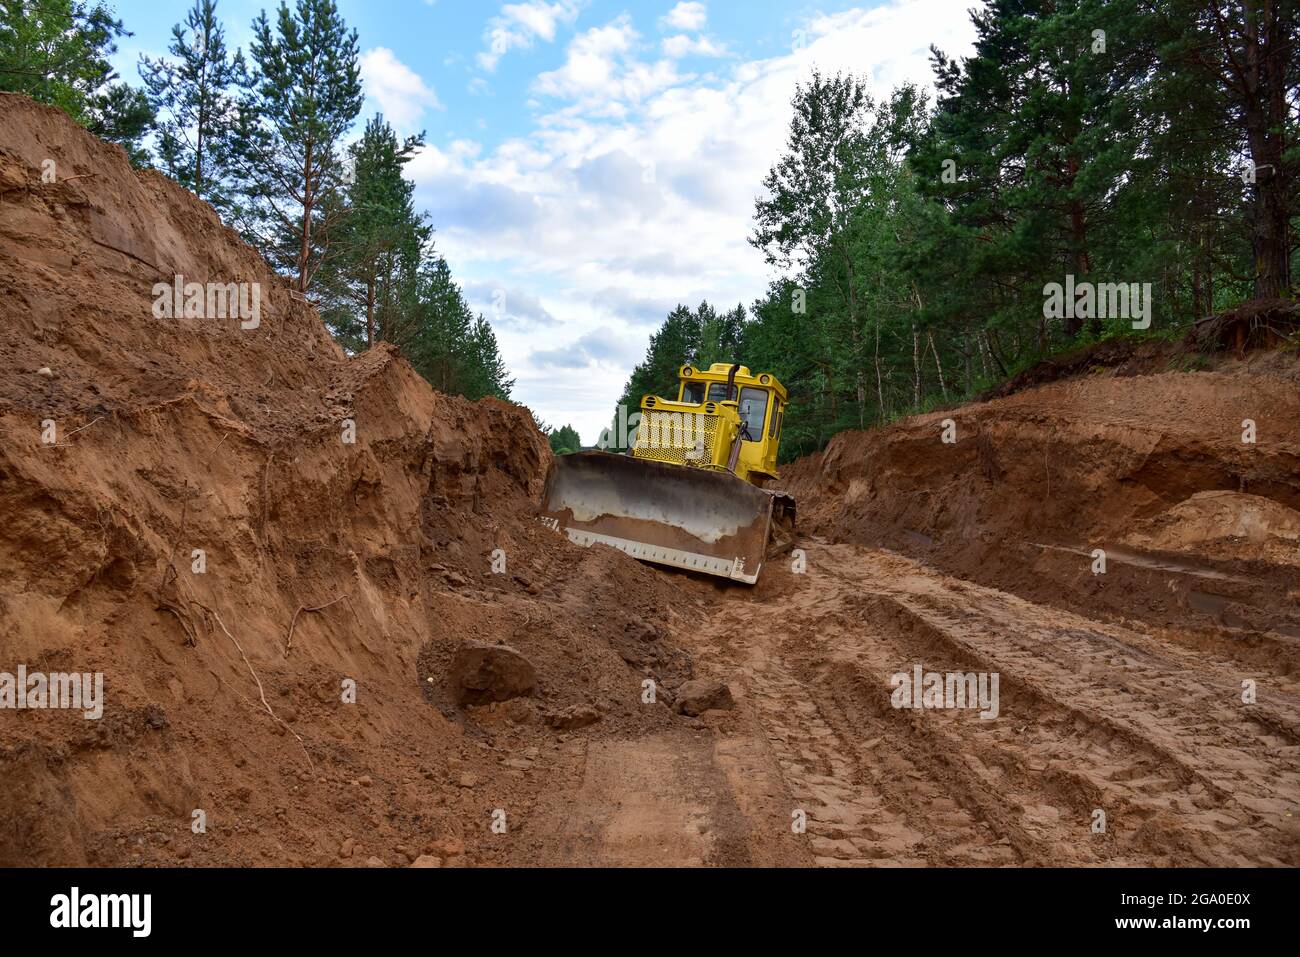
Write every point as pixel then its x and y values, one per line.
pixel 690 492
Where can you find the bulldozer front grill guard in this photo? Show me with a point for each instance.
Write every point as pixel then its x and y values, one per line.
pixel 678 438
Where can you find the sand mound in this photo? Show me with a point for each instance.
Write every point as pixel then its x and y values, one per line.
pixel 1225 525
pixel 1035 481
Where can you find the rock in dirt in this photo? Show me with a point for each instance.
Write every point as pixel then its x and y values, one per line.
pixel 574 717
pixel 699 695
pixel 445 847
pixel 427 860
pixel 643 631
pixel 481 674
pixel 520 711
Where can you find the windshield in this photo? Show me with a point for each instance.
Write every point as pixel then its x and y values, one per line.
pixel 753 411
pixel 693 392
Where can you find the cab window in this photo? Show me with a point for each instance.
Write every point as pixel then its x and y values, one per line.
pixel 718 392
pixel 753 410
pixel 693 392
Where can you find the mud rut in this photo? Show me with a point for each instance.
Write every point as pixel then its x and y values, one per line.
pixel 1094 716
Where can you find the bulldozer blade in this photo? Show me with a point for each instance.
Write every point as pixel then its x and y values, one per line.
pixel 685 517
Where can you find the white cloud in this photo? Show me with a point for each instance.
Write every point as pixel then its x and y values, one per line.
pixel 636 192
pixel 398 90
pixel 680 45
pixel 519 24
pixel 601 71
pixel 600 346
pixel 506 307
pixel 686 16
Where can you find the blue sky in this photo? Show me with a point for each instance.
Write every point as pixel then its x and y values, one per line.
pixel 591 163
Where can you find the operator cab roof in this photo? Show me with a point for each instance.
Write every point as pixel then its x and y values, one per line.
pixel 719 371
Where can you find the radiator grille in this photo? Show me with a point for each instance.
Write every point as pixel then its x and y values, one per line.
pixel 680 438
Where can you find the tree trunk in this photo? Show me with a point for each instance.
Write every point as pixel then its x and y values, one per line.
pixel 916 367
pixel 1082 262
pixel 916 356
pixel 370 314
pixel 1260 91
pixel 943 386
pixel 988 342
pixel 304 239
pixel 202 125
pixel 1272 225
pixel 859 378
pixel 880 384
pixel 1266 126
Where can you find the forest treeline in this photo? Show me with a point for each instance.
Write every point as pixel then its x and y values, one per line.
pixel 268 137
pixel 1095 168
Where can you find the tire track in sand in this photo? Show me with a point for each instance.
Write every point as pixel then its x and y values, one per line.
pixel 1093 716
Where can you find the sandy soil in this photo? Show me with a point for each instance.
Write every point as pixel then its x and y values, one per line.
pixel 1094 716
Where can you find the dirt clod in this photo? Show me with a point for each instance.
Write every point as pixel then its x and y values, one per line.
pixel 485 673
pixel 699 695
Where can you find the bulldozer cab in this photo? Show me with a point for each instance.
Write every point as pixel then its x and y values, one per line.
pixel 719 413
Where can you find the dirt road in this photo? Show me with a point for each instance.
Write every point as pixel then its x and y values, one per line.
pixel 1094 718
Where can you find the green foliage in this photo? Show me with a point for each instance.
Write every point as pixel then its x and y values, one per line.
pixel 368 287
pixel 564 440
pixel 192 95
pixel 123 115
pixel 448 345
pixel 700 337
pixel 56 52
pixel 301 98
pixel 914 244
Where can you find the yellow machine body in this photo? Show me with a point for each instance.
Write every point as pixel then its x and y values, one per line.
pixel 689 495
pixel 719 412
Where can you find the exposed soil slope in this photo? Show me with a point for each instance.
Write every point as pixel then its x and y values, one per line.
pixel 183 434
pixel 1036 481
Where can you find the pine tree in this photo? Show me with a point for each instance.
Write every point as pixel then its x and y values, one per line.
pixel 193 93
pixel 675 343
pixel 564 440
pixel 1037 139
pixel 370 281
pixel 698 337
pixel 452 348
pixel 813 193
pixel 57 52
pixel 1249 53
pixel 485 371
pixel 302 98
pixel 720 335
pixel 122 114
